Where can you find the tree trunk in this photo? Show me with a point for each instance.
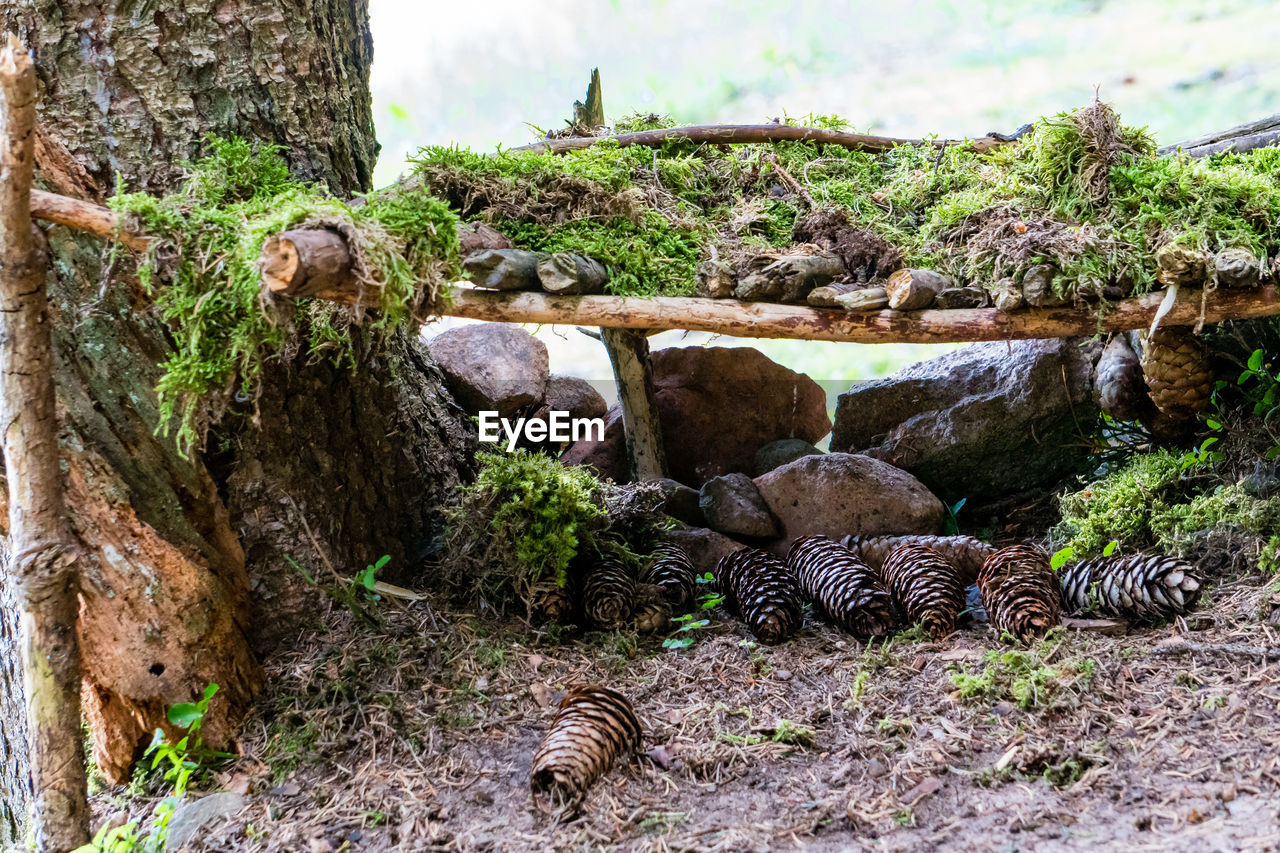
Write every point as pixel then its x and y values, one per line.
pixel 185 576
pixel 15 790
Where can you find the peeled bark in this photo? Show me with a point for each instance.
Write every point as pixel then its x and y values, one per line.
pixel 171 547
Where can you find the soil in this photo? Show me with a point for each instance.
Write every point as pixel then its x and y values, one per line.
pixel 419 735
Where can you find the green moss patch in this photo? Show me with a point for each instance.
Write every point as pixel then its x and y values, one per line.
pixel 1081 192
pixel 1158 501
pixel 202 273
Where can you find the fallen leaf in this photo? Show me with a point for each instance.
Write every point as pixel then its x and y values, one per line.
pixel 930 785
pixel 541 693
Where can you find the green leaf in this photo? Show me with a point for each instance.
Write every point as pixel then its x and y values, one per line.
pixel 185 714
pixel 1212 424
pixel 1273 453
pixel 1060 559
pixel 1255 360
pixel 210 691
pixel 1111 548
pixel 382 561
pixel 677 642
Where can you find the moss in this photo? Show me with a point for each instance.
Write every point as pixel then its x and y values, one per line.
pixel 1095 198
pixel 1157 500
pixel 208 237
pixel 1031 679
pixel 519 525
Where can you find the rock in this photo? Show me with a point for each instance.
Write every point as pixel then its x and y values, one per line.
pixel 983 422
pixel 492 367
pixel 717 406
pixel 705 547
pixel 1236 268
pixel 842 493
pixel 715 279
pixel 477 237
pixel 732 504
pixel 962 297
pixel 198 816
pixel 1038 287
pixel 681 502
pixel 775 454
pixel 576 396
pixel 1007 295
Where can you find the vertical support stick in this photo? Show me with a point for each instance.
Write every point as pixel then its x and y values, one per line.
pixel 43 573
pixel 629 354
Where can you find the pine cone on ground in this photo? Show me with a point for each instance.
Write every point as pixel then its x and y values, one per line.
pixel 549 602
pixel 926 587
pixel 966 553
pixel 672 570
pixel 1179 378
pixel 845 590
pixel 593 727
pixel 651 613
pixel 608 590
pixel 1141 587
pixel 758 589
pixel 1020 592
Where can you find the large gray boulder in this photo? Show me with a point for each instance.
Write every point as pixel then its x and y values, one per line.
pixel 983 422
pixel 492 367
pixel 842 493
pixel 717 406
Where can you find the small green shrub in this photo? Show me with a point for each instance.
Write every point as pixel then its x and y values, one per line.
pixel 1030 678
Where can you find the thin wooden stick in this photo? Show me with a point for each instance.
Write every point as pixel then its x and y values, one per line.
pixel 43 555
pixel 84 216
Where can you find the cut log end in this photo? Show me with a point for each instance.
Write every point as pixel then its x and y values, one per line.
pixel 280 263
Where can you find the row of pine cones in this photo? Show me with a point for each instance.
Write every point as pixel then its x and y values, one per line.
pixel 868 587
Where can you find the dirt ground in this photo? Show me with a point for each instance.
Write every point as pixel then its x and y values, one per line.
pixel 419 736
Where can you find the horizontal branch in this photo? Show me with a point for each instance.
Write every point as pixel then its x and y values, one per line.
pixel 1242 137
pixel 84 216
pixel 771 320
pixel 740 134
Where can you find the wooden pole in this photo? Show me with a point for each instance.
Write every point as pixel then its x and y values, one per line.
pixel 800 322
pixel 629 354
pixel 42 568
pixel 741 134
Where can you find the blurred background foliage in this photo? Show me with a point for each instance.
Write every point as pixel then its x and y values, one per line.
pixel 495 72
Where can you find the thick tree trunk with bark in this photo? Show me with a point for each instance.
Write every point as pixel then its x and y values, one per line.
pixel 185 576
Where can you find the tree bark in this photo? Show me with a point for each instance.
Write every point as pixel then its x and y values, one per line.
pixel 185 576
pixel 42 567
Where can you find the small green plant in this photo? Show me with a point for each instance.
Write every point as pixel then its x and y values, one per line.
pixel 685 638
pixel 179 763
pixel 368 578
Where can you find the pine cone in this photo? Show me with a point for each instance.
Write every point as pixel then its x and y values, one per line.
pixel 846 590
pixel 1141 587
pixel 1176 365
pixel 758 588
pixel 607 592
pixel 1020 592
pixel 926 587
pixel 651 613
pixel 1118 385
pixel 550 603
pixel 672 570
pixel 594 726
pixel 966 553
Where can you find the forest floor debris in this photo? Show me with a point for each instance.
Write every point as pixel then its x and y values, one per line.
pixel 420 737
